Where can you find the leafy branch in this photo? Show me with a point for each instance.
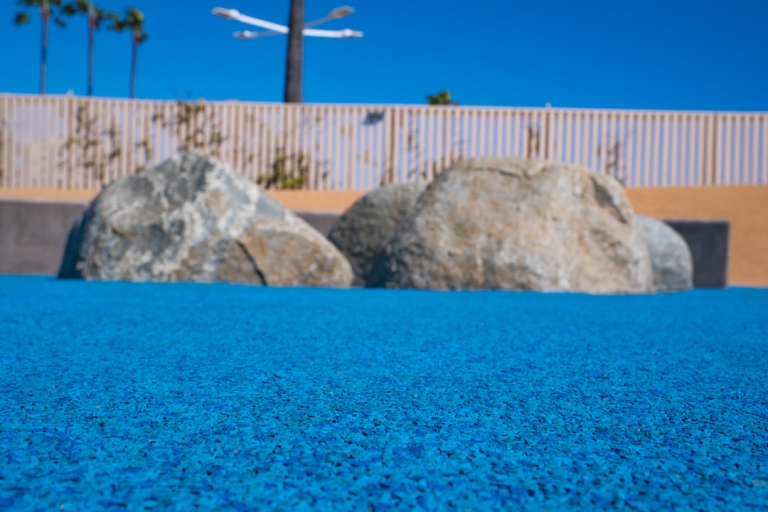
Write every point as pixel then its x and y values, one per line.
pixel 89 141
pixel 441 98
pixel 281 177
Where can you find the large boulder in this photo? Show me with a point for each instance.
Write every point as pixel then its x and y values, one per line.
pixel 366 227
pixel 193 218
pixel 518 224
pixel 671 257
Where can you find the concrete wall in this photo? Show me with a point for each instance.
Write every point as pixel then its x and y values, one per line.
pixel 33 234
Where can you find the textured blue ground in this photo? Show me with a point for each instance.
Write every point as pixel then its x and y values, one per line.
pixel 215 397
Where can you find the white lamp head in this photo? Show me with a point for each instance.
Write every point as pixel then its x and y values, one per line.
pixel 351 33
pixel 230 14
pixel 245 34
pixel 340 12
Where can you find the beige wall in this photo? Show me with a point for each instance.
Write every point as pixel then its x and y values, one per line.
pixel 318 200
pixel 746 207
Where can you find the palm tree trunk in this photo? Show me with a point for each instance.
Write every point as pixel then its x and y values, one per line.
pixel 91 27
pixel 44 57
pixel 295 53
pixel 133 67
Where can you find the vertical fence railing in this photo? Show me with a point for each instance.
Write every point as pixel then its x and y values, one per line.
pixel 67 142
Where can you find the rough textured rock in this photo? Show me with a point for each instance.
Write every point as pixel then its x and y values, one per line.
pixel 193 218
pixel 521 225
pixel 366 227
pixel 671 257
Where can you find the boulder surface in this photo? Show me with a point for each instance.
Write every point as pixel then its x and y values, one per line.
pixel 671 257
pixel 193 218
pixel 366 227
pixel 518 224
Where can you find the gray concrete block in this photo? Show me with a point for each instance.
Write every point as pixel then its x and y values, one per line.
pixel 708 241
pixel 33 234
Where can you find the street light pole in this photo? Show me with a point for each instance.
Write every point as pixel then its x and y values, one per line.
pixel 294 64
pixel 296 31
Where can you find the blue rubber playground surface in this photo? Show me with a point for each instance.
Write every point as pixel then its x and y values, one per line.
pixel 118 396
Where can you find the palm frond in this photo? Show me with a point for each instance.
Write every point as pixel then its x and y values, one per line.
pixel 21 18
pixel 86 8
pixel 118 24
pixel 134 18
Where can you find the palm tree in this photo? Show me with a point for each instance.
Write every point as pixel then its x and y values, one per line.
pixel 95 17
pixel 295 52
pixel 134 21
pixel 46 8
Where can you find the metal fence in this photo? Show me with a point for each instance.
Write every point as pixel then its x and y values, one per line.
pixel 67 142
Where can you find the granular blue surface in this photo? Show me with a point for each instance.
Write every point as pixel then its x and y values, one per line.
pixel 218 397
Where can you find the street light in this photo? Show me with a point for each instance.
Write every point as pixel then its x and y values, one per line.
pixel 339 34
pixel 234 14
pixel 336 14
pixel 293 71
pixel 275 29
pixel 230 14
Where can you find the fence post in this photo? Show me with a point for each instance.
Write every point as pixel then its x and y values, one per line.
pixel 56 143
pixel 713 170
pixel 547 133
pixel 3 131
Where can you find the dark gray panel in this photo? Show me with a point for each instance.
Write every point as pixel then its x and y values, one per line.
pixel 321 221
pixel 708 241
pixel 33 234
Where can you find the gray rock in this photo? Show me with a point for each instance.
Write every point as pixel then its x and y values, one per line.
pixel 671 257
pixel 193 218
pixel 518 224
pixel 366 227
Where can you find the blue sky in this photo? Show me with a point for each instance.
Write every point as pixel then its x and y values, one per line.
pixel 673 54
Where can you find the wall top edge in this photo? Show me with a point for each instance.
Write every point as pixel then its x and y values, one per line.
pixel 384 106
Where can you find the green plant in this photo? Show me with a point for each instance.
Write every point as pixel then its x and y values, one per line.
pixel 612 160
pixel 281 177
pixel 47 9
pixel 534 142
pixel 96 148
pixel 441 98
pixel 191 123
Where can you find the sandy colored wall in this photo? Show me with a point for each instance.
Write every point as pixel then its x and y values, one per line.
pixel 318 200
pixel 307 200
pixel 746 207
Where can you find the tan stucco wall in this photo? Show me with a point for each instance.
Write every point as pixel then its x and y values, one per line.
pixel 746 207
pixel 312 200
pixel 318 200
pixel 76 196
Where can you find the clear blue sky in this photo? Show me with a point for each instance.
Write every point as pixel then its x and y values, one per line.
pixel 673 54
